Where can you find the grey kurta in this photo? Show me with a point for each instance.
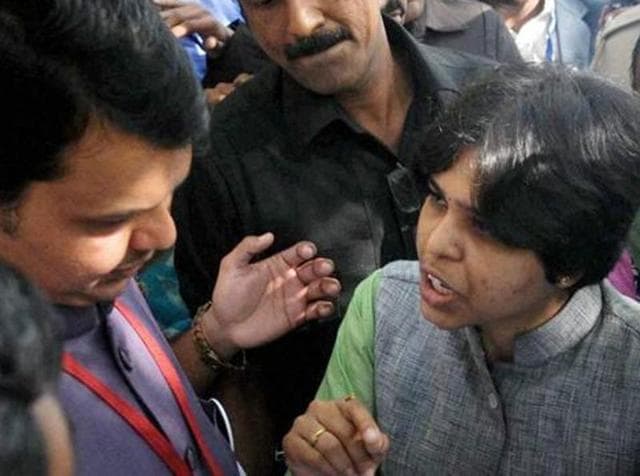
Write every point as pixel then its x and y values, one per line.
pixel 568 404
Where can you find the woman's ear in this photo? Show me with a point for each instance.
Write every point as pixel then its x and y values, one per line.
pixel 566 282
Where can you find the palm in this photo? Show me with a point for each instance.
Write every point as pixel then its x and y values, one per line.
pixel 254 303
pixel 261 301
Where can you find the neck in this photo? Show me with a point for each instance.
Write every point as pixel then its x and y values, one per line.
pixel 516 16
pixel 498 338
pixel 381 103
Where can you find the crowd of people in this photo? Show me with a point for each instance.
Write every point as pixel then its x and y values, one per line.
pixel 319 236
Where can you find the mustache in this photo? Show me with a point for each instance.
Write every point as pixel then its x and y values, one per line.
pixel 392 5
pixel 317 43
pixel 137 258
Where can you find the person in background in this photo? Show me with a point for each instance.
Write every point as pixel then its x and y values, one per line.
pixel 35 434
pixel 614 46
pixel 502 350
pixel 203 26
pixel 548 30
pixel 315 146
pixel 465 25
pixel 617 58
pixel 634 233
pixel 220 45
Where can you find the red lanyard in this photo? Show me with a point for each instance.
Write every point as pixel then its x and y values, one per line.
pixel 136 419
pixel 139 422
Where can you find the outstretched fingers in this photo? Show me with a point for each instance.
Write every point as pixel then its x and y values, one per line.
pixel 246 250
pixel 313 269
pixel 318 310
pixel 296 255
pixel 321 289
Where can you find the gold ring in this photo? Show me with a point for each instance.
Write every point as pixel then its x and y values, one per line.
pixel 351 396
pixel 316 436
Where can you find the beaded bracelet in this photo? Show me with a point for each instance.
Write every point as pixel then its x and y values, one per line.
pixel 207 354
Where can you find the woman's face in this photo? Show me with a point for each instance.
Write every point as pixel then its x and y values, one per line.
pixel 467 277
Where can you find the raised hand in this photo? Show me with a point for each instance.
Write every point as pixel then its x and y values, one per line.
pixel 185 18
pixel 254 303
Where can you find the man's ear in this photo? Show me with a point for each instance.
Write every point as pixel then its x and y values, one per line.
pixel 8 219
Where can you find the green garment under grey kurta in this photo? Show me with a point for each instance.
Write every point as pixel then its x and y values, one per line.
pixel 569 403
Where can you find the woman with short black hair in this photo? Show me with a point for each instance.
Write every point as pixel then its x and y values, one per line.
pixel 502 350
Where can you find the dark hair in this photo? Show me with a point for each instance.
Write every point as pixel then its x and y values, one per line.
pixel 66 61
pixel 557 168
pixel 29 366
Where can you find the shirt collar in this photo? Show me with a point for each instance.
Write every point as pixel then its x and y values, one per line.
pixel 307 113
pixel 78 320
pixel 564 331
pixel 547 15
pixel 548 9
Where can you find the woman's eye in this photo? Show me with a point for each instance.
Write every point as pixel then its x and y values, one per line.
pixel 436 199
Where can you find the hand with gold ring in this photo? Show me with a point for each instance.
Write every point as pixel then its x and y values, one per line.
pixel 335 437
pixel 316 436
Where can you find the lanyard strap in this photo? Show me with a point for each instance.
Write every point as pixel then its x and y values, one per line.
pixel 172 378
pixel 136 419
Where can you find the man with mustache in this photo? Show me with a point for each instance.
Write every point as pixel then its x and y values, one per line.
pixel 465 25
pixel 314 146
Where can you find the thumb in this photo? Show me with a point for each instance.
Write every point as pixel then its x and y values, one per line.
pixel 374 440
pixel 244 252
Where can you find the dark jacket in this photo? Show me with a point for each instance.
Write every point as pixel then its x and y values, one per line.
pixel 465 25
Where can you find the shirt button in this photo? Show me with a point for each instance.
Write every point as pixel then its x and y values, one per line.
pixel 190 458
pixel 125 358
pixel 493 400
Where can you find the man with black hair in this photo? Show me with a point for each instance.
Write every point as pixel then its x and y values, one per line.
pixel 104 114
pixel 465 25
pixel 316 145
pixel 502 350
pixel 35 434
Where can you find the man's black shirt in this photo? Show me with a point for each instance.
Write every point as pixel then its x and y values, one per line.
pixel 292 162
